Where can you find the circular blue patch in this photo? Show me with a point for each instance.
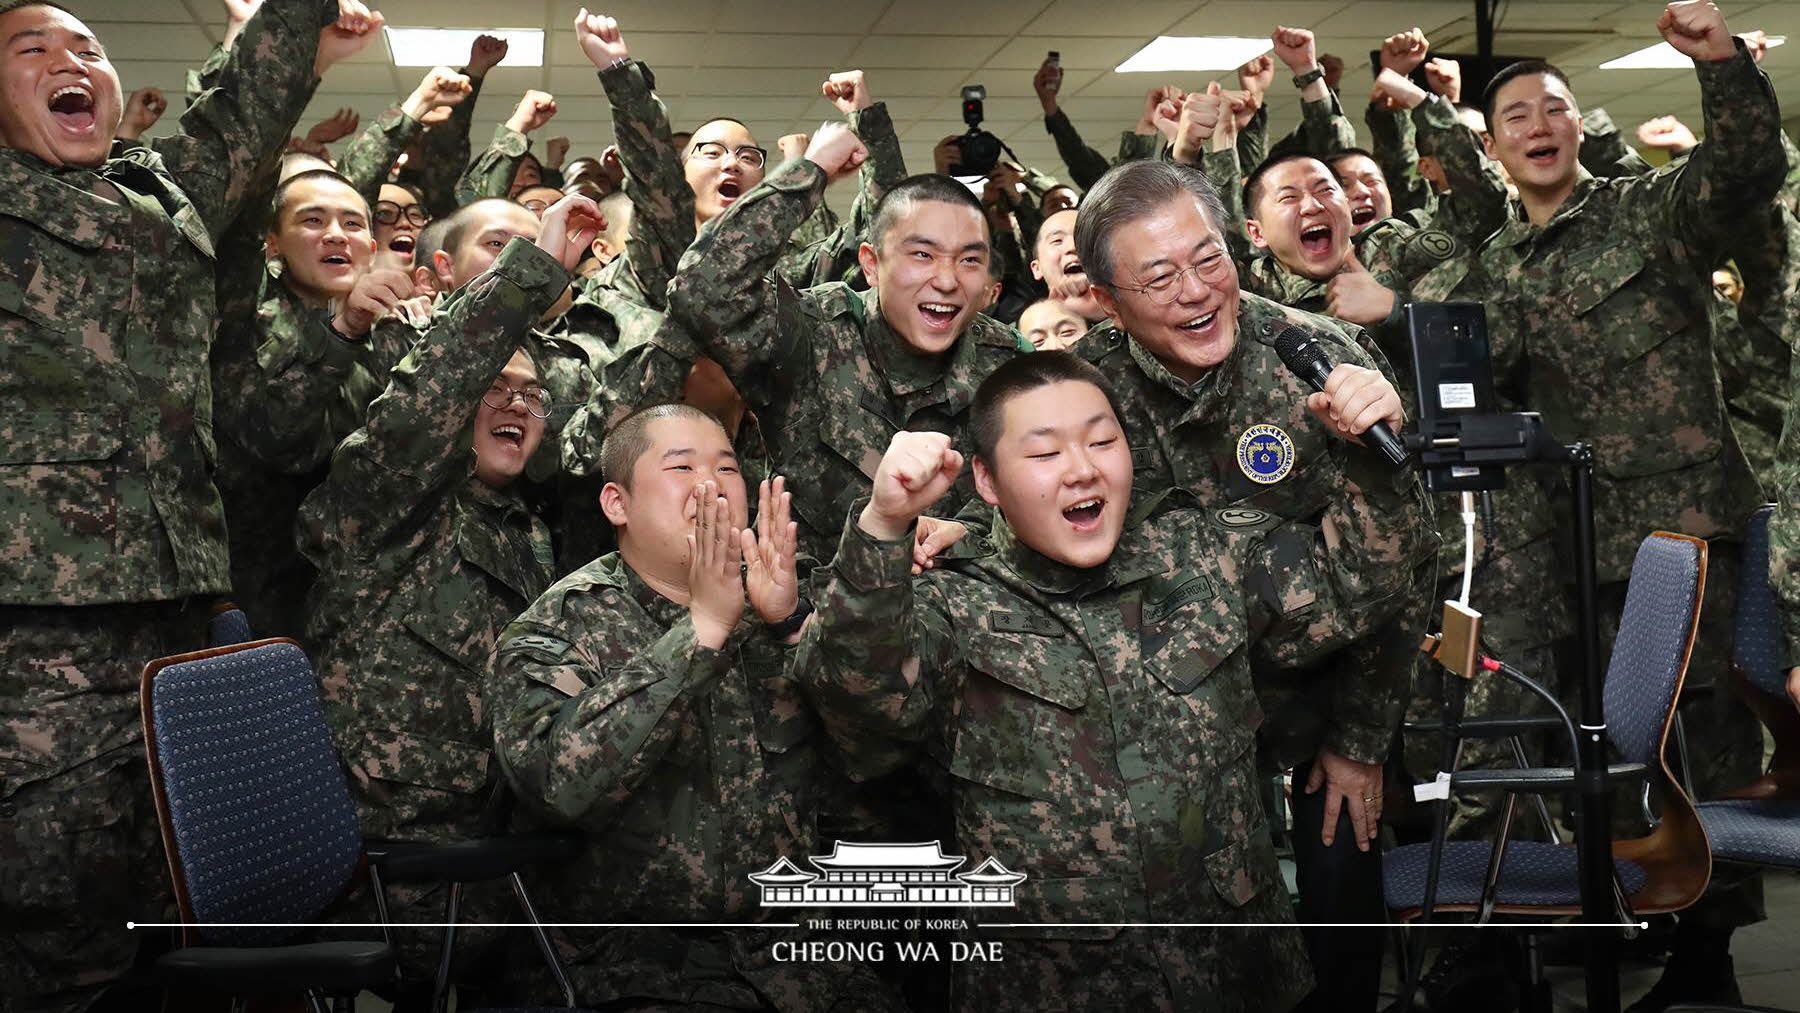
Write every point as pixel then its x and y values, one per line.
pixel 1265 454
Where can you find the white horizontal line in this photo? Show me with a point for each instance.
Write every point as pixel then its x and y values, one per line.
pixel 979 925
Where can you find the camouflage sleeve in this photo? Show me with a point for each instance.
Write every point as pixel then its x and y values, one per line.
pixel 871 653
pixel 283 386
pixel 1603 149
pixel 1225 174
pixel 491 174
pixel 817 228
pixel 829 256
pixel 1136 147
pixel 443 151
pixel 662 203
pixel 723 295
pixel 1397 153
pixel 207 75
pixel 244 120
pixel 416 440
pixel 1325 127
pixel 576 738
pixel 1739 167
pixel 1086 165
pixel 647 373
pixel 1329 582
pixel 1253 139
pixel 367 160
pixel 1477 202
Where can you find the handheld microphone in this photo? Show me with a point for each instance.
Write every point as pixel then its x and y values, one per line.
pixel 1303 355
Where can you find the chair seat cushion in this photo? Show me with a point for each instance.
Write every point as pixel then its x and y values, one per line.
pixel 1533 873
pixel 339 968
pixel 1765 832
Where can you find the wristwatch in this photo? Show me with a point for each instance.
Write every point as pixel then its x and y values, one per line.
pixel 791 625
pixel 1315 74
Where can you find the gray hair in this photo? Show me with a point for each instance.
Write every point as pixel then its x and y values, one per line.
pixel 1132 191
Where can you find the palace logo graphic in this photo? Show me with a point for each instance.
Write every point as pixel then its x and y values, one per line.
pixel 887 875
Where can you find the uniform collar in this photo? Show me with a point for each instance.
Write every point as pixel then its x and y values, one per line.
pixel 904 371
pixel 1130 562
pixel 1519 228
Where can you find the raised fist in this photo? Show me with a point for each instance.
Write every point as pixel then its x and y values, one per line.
pixel 917 470
pixel 847 91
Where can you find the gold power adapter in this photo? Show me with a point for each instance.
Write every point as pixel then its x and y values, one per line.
pixel 1462 633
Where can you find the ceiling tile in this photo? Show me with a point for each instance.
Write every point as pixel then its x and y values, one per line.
pixel 849 16
pixel 1103 53
pixel 725 50
pixel 1076 19
pixel 967 18
pixel 674 49
pixel 924 51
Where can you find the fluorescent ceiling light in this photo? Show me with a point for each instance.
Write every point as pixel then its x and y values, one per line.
pixel 449 47
pixel 1193 52
pixel 1663 56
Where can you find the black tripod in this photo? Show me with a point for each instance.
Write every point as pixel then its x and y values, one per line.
pixel 1458 445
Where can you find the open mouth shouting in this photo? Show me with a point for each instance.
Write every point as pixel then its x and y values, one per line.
pixel 337 262
pixel 1543 154
pixel 1200 326
pixel 509 434
pixel 939 316
pixel 1071 266
pixel 1315 240
pixel 730 190
pixel 403 243
pixel 1084 515
pixel 73 107
pixel 1362 213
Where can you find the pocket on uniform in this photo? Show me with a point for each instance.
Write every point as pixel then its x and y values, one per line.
pixel 446 765
pixel 1019 713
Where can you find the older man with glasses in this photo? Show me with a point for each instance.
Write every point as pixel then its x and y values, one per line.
pixel 1213 413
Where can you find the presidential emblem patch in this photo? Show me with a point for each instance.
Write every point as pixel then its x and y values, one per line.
pixel 1265 454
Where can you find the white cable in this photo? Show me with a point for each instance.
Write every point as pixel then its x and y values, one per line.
pixel 1468 516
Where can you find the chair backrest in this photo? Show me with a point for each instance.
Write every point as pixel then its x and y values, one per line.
pixel 1656 634
pixel 257 820
pixel 229 626
pixel 1758 646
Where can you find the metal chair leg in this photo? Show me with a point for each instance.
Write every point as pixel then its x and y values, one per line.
pixel 381 908
pixel 440 989
pixel 1542 808
pixel 543 941
pixel 1535 996
pixel 1687 765
pixel 1490 886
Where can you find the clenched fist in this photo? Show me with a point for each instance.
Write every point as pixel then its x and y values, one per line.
pixel 917 470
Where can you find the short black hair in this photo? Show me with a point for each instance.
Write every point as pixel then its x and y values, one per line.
pixel 629 439
pixel 1021 375
pixel 465 216
pixel 281 192
pixel 709 121
pixel 1512 71
pixel 1253 187
pixel 926 186
pixel 430 240
pixel 417 194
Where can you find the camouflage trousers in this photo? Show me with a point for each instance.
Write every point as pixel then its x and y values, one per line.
pixel 80 852
pixel 1525 612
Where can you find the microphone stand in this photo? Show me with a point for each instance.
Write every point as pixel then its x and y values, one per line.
pixel 1521 438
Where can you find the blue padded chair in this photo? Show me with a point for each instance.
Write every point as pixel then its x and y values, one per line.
pixel 1760 822
pixel 261 832
pixel 228 625
pixel 1665 871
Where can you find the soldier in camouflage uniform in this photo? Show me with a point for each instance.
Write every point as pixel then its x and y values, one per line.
pixel 425 549
pixel 1599 288
pixel 1198 375
pixel 833 373
pixel 495 170
pixel 1082 680
pixel 115 527
pixel 632 703
pixel 1085 164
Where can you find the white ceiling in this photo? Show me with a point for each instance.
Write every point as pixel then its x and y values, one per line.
pixel 762 60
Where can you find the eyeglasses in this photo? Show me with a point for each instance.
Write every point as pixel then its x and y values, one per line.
pixel 1166 288
pixel 537 399
pixel 387 213
pixel 536 206
pixel 747 156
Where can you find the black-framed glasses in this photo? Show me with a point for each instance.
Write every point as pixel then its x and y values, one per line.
pixel 537 399
pixel 387 213
pixel 1166 288
pixel 748 156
